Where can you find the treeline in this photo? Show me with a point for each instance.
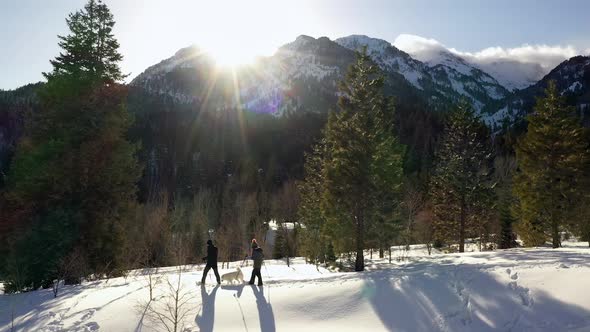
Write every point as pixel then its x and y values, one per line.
pixel 490 189
pixel 105 179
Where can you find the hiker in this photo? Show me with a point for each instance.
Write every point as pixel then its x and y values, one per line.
pixel 211 262
pixel 257 257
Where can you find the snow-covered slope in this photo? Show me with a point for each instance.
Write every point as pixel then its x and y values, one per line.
pixel 572 78
pixel 514 69
pixel 388 57
pixel 445 75
pixel 538 289
pixel 304 74
pixel 301 74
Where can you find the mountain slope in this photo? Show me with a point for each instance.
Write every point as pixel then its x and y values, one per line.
pixel 513 73
pixel 304 75
pixel 450 77
pixel 572 78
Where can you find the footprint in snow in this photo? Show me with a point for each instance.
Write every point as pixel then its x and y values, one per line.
pixel 514 276
pixel 523 293
pixel 89 327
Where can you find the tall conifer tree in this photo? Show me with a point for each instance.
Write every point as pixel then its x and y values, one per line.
pixel 364 160
pixel 461 188
pixel 553 158
pixel 73 178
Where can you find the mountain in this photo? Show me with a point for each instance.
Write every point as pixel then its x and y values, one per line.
pixel 304 74
pixel 572 78
pixel 513 73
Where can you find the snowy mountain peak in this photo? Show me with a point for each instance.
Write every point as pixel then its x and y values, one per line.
pixel 301 42
pixel 355 42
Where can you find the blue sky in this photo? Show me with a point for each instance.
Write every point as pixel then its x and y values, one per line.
pixel 151 30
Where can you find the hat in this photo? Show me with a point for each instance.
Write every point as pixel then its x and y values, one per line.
pixel 209 242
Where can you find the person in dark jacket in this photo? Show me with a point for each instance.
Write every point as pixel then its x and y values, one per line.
pixel 258 258
pixel 211 262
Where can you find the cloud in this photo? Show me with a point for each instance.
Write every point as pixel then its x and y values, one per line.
pixel 513 67
pixel 545 55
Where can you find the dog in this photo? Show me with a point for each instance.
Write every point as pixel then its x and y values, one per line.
pixel 231 276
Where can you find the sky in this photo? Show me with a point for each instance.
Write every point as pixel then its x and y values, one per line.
pixel 235 31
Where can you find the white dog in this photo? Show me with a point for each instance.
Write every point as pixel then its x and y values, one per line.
pixel 231 276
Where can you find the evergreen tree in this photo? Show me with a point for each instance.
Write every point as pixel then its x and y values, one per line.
pixel 73 179
pixel 280 248
pixel 461 192
pixel 552 157
pixel 364 160
pixel 504 167
pixel 91 49
pixel 313 239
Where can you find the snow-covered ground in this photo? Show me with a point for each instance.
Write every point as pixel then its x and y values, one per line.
pixel 539 289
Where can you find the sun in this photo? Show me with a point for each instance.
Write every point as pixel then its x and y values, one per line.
pixel 235 32
pixel 231 56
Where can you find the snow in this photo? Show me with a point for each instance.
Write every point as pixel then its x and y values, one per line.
pixel 513 68
pixel 574 87
pixel 355 42
pixel 537 289
pixel 387 57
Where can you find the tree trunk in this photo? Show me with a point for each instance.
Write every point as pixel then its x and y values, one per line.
pixel 555 233
pixel 389 249
pixel 381 252
pixel 462 228
pixel 360 257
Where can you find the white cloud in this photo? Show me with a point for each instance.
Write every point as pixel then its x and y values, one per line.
pixel 546 56
pixel 513 67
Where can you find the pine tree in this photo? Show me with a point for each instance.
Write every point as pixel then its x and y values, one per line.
pixel 552 157
pixel 364 160
pixel 91 49
pixel 504 168
pixel 74 173
pixel 312 236
pixel 461 191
